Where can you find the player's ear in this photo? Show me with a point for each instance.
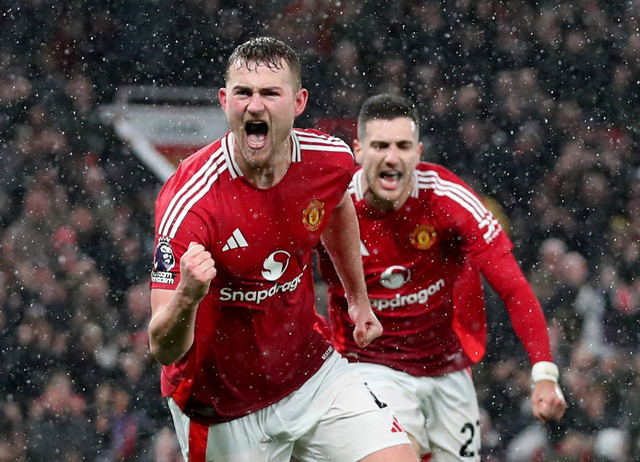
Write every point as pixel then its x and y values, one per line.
pixel 302 96
pixel 222 96
pixel 357 151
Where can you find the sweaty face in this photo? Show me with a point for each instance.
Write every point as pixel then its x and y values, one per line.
pixel 261 104
pixel 388 155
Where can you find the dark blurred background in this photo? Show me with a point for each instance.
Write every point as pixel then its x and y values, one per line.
pixel 533 103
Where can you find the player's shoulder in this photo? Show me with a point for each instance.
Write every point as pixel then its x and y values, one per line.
pixel 204 155
pixel 196 170
pixel 209 158
pixel 320 147
pixel 441 186
pixel 434 178
pixel 313 137
pixel 431 170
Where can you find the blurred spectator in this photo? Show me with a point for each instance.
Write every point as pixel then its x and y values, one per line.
pixel 577 307
pixel 129 426
pixel 56 423
pixel 545 276
pixel 166 447
pixel 593 414
pixel 89 361
pixel 12 435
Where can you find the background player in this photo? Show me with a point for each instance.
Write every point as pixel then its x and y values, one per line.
pixel 426 238
pixel 248 374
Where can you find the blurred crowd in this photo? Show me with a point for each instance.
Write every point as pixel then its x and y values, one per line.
pixel 535 103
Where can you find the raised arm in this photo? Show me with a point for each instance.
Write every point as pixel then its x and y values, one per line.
pixel 505 276
pixel 173 312
pixel 341 238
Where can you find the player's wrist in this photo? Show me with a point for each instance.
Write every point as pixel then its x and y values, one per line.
pixel 544 370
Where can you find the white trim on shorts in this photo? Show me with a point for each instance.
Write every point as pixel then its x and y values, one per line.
pixel 332 416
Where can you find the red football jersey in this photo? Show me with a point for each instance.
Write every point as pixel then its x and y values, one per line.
pixel 420 265
pixel 256 335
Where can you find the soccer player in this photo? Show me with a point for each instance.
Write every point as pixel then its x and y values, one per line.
pixel 247 371
pixel 426 238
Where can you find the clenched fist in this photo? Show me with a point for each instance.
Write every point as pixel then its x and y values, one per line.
pixel 197 270
pixel 367 327
pixel 547 401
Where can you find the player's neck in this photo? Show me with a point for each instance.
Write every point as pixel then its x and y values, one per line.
pixel 270 172
pixel 382 204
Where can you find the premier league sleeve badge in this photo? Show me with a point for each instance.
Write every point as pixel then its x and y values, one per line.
pixel 164 260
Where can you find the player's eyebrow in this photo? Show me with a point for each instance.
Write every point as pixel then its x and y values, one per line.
pixel 249 88
pixel 403 143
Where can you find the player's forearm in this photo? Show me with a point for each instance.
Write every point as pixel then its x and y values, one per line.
pixel 530 326
pixel 341 238
pixel 171 329
pixel 527 318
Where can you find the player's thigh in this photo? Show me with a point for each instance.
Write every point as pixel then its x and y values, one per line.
pixel 247 439
pixel 453 422
pixel 355 425
pixel 402 392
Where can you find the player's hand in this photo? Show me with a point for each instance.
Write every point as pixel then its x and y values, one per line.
pixel 367 327
pixel 547 401
pixel 197 270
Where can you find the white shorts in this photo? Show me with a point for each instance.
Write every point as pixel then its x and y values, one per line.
pixel 331 417
pixel 441 413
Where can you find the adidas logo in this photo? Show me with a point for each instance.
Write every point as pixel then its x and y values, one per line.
pixel 396 427
pixel 236 240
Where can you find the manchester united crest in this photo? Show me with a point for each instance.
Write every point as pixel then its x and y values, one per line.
pixel 312 215
pixel 423 237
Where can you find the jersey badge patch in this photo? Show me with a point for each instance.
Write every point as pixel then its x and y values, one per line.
pixel 312 215
pixel 164 258
pixel 423 237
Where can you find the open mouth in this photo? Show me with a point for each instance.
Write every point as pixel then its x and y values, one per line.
pixel 389 179
pixel 256 133
pixel 390 176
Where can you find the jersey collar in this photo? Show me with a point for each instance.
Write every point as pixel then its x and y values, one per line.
pixel 415 191
pixel 228 142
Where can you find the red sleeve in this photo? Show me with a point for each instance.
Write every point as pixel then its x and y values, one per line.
pixel 505 276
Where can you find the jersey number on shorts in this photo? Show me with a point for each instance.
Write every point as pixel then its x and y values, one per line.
pixel 468 428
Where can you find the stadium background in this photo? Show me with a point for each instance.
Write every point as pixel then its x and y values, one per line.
pixel 534 103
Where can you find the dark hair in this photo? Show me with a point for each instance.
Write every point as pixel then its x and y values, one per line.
pixel 387 107
pixel 267 51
